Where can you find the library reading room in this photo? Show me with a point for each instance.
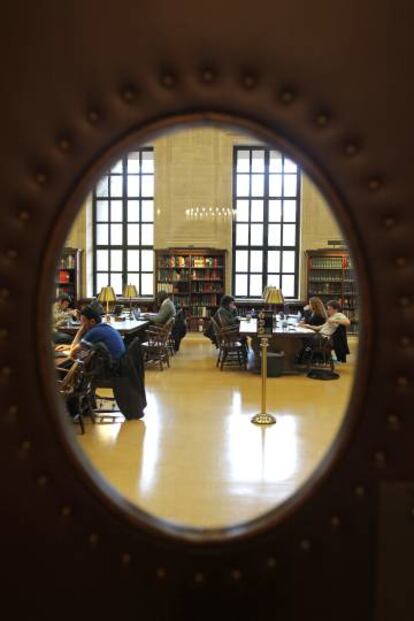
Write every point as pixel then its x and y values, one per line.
pixel 205 327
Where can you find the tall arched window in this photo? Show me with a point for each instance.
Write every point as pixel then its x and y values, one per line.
pixel 266 198
pixel 123 225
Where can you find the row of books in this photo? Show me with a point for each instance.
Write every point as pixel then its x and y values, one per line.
pixel 324 275
pixel 327 263
pixel 180 261
pixel 174 276
pixel 67 262
pixel 207 287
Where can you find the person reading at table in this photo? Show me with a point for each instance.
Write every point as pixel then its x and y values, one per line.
pixel 328 328
pixel 315 313
pixel 166 310
pixel 92 330
pixel 61 314
pixel 226 316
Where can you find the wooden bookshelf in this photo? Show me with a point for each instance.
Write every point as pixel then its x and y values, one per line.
pixel 195 278
pixel 69 273
pixel 330 276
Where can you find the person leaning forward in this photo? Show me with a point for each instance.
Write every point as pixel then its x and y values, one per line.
pixel 166 310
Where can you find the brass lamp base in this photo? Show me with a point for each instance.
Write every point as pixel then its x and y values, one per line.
pixel 263 418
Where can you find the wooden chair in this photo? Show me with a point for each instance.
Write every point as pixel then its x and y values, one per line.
pixel 321 353
pixel 232 351
pixel 155 349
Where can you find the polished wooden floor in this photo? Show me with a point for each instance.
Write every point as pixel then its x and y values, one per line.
pixel 196 459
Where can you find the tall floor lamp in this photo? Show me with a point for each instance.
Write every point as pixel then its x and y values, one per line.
pixel 272 296
pixel 130 291
pixel 107 294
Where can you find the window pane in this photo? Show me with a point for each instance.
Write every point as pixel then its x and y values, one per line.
pixel 257 211
pixel 102 260
pixel 118 168
pixel 275 185
pixel 242 234
pixel 133 185
pixel 241 285
pixel 256 285
pixel 275 211
pixel 147 260
pixel 133 260
pixel 273 261
pixel 243 159
pixel 147 185
pixel 147 234
pixel 273 280
pixel 290 185
pixel 102 234
pixel 290 167
pixel 116 260
pixel 116 211
pixel 102 280
pixel 243 185
pixel 116 283
pixel 133 234
pixel 257 185
pixel 102 187
pixel 147 281
pixel 242 211
pixel 241 260
pixel 289 211
pixel 116 186
pixel 133 211
pixel 274 235
pixel 258 161
pixel 101 211
pixel 288 261
pixel 133 163
pixel 147 162
pixel 289 231
pixel 275 162
pixel 256 261
pixel 256 234
pixel 147 211
pixel 288 285
pixel 116 234
pixel 133 279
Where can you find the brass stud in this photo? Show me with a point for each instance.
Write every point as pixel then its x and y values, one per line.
pixel 322 119
pixel 249 81
pixel 374 184
pixel 64 144
pixel 271 562
pixel 379 459
pixel 13 409
pixel 199 577
pixel 389 222
pixel 26 445
pixel 42 480
pixel 6 372
pixel 3 334
pixel 93 539
pixel 161 573
pixel 23 215
pixel 394 422
pixel 11 254
pixel 41 178
pixel 4 294
pixel 168 80
pixel 126 559
pixel 208 76
pixel 412 512
pixel 128 94
pixel 350 149
pixel 359 491
pixel 405 341
pixel 236 574
pixel 305 545
pixel 404 301
pixel 93 116
pixel 286 96
pixel 335 522
pixel 66 511
pixel 400 261
pixel 402 381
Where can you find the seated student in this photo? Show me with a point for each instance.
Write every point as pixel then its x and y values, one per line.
pixel 92 331
pixel 166 310
pixel 61 313
pixel 226 316
pixel 327 329
pixel 315 313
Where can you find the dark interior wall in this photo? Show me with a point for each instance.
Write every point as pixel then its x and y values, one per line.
pixel 332 81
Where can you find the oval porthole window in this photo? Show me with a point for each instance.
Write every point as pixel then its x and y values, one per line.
pixel 204 327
